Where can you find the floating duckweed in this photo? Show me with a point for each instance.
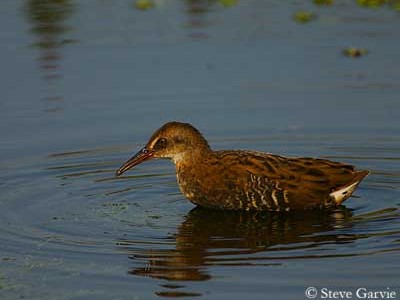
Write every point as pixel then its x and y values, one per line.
pixel 303 16
pixel 371 3
pixel 154 216
pixel 110 204
pixel 144 4
pixel 228 3
pixel 395 5
pixel 354 52
pixel 323 2
pixel 4 283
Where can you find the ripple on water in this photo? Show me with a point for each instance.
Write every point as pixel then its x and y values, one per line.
pixel 69 209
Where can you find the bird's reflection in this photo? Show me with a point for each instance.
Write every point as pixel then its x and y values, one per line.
pixel 48 24
pixel 208 238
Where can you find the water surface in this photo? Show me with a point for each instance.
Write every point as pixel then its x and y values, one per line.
pixel 86 83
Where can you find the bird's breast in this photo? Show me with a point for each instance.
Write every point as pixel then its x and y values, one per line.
pixel 189 183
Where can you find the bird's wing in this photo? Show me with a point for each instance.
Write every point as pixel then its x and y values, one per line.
pixel 295 182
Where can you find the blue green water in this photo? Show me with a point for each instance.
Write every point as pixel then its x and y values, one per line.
pixel 85 83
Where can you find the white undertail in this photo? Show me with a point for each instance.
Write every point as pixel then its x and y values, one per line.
pixel 340 195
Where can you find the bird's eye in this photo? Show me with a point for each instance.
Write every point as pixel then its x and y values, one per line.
pixel 160 144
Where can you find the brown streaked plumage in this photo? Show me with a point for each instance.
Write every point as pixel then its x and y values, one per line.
pixel 247 180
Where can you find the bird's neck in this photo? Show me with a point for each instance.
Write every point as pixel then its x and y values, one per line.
pixel 191 159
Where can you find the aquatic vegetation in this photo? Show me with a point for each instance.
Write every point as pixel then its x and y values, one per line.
pixel 113 209
pixel 144 4
pixel 1 281
pixel 304 16
pixel 371 3
pixel 228 3
pixel 4 284
pixel 393 4
pixel 354 52
pixel 323 2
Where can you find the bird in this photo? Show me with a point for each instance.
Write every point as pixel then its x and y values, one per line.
pixel 245 179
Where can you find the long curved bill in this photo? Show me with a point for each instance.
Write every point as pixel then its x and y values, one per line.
pixel 143 155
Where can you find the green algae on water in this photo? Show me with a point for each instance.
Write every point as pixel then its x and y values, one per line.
pixel 304 17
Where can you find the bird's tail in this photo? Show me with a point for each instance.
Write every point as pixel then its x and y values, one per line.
pixel 343 192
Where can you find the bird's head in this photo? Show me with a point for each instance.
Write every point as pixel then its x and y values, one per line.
pixel 174 140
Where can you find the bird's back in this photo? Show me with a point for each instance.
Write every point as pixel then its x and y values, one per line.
pixel 257 180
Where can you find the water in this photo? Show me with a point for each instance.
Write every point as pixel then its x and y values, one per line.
pixel 84 84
